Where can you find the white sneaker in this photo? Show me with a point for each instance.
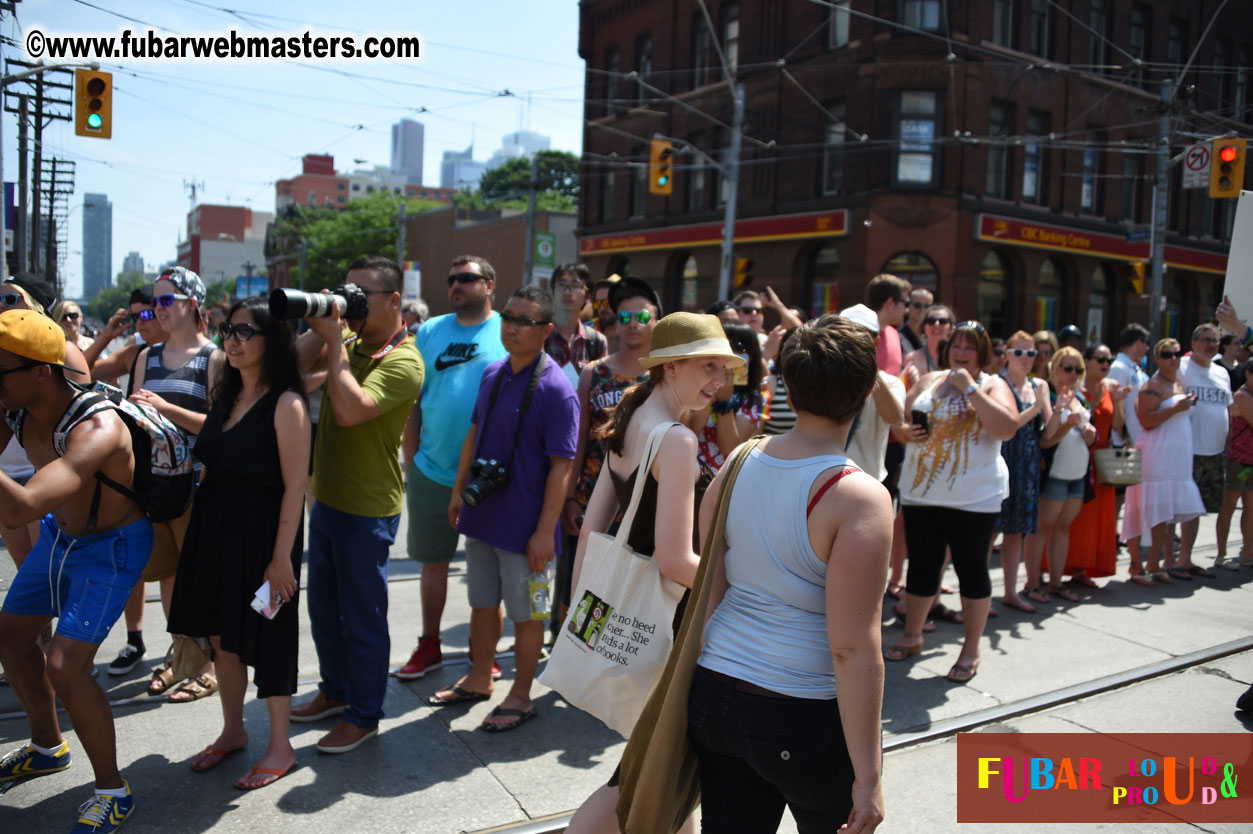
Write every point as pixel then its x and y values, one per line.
pixel 1226 562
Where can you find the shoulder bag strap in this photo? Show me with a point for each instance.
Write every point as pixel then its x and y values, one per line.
pixel 651 446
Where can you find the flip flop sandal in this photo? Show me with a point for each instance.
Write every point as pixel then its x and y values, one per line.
pixel 1163 577
pixel 1180 573
pixel 213 751
pixel 252 771
pixel 523 716
pixel 193 689
pixel 948 615
pixel 461 696
pixel 1064 593
pixel 963 674
pixel 1019 605
pixel 927 627
pixel 1142 579
pixel 1197 570
pixel 899 652
pixel 1037 594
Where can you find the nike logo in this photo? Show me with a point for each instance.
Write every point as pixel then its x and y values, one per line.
pixel 457 353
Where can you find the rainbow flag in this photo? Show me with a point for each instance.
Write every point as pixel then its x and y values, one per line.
pixel 1046 313
pixel 826 299
pixel 409 266
pixel 1172 325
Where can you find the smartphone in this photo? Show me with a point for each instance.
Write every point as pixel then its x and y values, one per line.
pixel 919 418
pixel 261 602
pixel 740 375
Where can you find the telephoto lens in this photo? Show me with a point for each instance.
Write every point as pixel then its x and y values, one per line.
pixel 286 303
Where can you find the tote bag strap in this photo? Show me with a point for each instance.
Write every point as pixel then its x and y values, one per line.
pixel 651 446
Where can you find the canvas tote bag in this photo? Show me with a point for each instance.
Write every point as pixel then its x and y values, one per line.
pixel 617 636
pixel 659 779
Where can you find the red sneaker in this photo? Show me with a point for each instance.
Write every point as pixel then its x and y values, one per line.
pixel 427 657
pixel 496 673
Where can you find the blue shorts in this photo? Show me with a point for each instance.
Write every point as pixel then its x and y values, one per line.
pixel 83 581
pixel 1055 489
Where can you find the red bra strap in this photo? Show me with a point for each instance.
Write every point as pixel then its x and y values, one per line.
pixel 822 490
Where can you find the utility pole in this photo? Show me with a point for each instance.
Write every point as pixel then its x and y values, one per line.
pixel 1161 193
pixel 23 129
pixel 400 237
pixel 38 174
pixel 731 171
pixel 304 252
pixel 529 248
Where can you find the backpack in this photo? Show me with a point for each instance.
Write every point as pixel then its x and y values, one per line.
pixel 163 488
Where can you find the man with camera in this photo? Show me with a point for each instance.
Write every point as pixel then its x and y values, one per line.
pixel 373 376
pixel 511 483
pixel 456 347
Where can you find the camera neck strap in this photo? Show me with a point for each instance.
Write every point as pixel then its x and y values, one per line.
pixel 523 407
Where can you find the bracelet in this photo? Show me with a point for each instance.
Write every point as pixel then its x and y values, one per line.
pixel 1248 337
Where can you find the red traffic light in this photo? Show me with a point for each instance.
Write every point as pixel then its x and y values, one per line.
pixel 1227 154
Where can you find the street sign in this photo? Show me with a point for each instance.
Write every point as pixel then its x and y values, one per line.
pixel 1239 283
pixel 1138 235
pixel 1196 162
pixel 545 251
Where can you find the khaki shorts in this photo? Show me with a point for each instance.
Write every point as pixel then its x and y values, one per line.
pixel 167 544
pixel 431 539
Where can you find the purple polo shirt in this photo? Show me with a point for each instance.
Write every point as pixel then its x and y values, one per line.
pixel 507 518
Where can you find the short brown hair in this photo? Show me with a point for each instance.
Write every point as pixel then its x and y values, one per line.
pixel 829 367
pixel 884 288
pixel 976 334
pixel 484 266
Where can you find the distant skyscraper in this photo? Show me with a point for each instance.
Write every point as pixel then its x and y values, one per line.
pixel 97 244
pixel 134 263
pixel 520 143
pixel 459 170
pixel 407 141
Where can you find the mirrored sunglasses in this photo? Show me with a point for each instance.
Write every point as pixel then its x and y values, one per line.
pixel 642 316
pixel 168 299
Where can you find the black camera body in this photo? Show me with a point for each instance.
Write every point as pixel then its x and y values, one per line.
pixel 349 299
pixel 487 476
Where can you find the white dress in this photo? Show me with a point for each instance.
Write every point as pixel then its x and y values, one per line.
pixel 1166 493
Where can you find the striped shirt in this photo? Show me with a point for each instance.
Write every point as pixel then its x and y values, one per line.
pixel 186 386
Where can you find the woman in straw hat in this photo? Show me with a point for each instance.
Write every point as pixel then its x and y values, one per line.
pixel 688 362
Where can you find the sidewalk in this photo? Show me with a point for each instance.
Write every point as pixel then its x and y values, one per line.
pixel 431 770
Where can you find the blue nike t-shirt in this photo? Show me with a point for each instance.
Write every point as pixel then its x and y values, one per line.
pixel 454 356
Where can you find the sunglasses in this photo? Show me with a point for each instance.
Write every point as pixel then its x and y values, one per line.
pixel 1020 352
pixel 142 315
pixel 1069 369
pixel 465 278
pixel 750 311
pixel 599 304
pixel 168 299
pixel 25 367
pixel 510 318
pixel 1170 354
pixel 642 316
pixel 241 332
pixel 10 299
pixel 1102 360
pixel 936 320
pixel 919 305
pixel 998 352
pixel 972 324
pixel 71 316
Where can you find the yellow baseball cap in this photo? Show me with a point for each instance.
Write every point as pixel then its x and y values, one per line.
pixel 33 335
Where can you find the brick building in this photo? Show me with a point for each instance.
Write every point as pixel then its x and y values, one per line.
pixel 1000 157
pixel 319 184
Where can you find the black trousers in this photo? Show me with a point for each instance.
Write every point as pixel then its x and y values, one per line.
pixel 931 530
pixel 759 753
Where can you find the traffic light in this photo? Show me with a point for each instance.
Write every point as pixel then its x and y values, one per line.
pixel 1226 168
pixel 743 273
pixel 661 167
pixel 93 103
pixel 1137 276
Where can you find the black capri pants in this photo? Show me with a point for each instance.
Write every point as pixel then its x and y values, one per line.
pixel 929 531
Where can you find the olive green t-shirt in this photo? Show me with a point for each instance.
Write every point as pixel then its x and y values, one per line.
pixel 356 469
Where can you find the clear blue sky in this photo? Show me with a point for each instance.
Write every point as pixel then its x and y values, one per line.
pixel 239 126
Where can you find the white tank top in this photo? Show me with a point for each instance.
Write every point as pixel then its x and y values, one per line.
pixel 959 465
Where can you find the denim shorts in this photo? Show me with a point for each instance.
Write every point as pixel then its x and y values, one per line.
pixel 1055 489
pixel 84 581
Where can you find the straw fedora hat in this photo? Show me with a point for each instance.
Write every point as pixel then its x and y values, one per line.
pixel 685 335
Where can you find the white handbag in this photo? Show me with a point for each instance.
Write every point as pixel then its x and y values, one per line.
pixel 617 637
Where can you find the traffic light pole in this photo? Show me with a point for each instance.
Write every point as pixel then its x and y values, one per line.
pixel 38 175
pixel 1161 193
pixel 731 171
pixel 528 255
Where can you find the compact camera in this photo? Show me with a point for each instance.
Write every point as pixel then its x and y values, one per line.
pixel 349 299
pixel 487 476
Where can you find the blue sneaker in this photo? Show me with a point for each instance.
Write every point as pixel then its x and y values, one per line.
pixel 27 762
pixel 102 813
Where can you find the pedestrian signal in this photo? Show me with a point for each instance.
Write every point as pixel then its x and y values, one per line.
pixel 743 272
pixel 1226 172
pixel 93 103
pixel 661 167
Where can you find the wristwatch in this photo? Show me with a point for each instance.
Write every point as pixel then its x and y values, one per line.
pixel 971 388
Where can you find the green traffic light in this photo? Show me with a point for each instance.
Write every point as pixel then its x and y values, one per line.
pixel 94 121
pixel 662 180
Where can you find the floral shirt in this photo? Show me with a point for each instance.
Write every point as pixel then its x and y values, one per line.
pixel 606 390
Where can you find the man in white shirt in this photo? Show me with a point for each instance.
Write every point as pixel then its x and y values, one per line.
pixel 868 439
pixel 1209 384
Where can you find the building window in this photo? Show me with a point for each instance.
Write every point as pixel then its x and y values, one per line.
pixel 1140 16
pixel 606 198
pixel 1240 97
pixel 837 24
pixel 994 284
pixel 916 268
pixel 1133 187
pixel 1218 86
pixel 643 65
pixel 1034 170
pixel 1176 37
pixel 613 79
pixel 1038 39
pixel 695 178
pixel 921 14
pixel 702 49
pixel 1091 194
pixel 1003 23
pixel 340 186
pixel 639 183
pixel 1050 299
pixel 833 153
pixel 915 161
pixel 356 186
pixel 339 198
pixel 731 36
pixel 998 150
pixel 1098 22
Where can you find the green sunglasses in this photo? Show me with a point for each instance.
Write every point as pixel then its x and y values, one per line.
pixel 642 316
